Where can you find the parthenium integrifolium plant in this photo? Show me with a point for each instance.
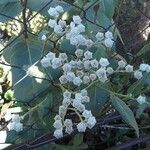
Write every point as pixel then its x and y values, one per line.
pixel 81 71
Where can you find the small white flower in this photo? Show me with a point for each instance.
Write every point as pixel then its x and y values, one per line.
pixel 77 81
pixel 101 73
pixel 110 70
pixel 43 38
pixel 57 124
pixel 108 42
pixel 72 25
pixel 73 63
pixel 85 99
pixel 79 64
pixel 84 92
pixel 58 29
pixel 129 68
pixel 58 133
pixel 68 123
pixel 59 9
pixel 100 36
pixel 77 19
pixel 104 62
pixel 52 23
pixel 86 79
pixel 70 76
pixel 52 12
pixel 138 74
pixel 87 114
pixel 91 122
pixel 15 118
pixel 78 96
pixel 69 130
pixel 63 79
pixel 74 41
pixel 67 94
pixel 11 126
pixel 80 73
pixel 50 55
pixel 63 57
pixel 88 55
pixel 121 64
pixel 76 103
pixel 66 102
pixel 45 62
pixel 94 63
pixel 87 64
pixel 109 35
pixel 56 62
pixel 81 108
pixel 81 127
pixel 143 67
pixel 66 67
pixel 62 23
pixel 93 76
pixel 148 69
pixel 62 111
pixel 57 117
pixel 81 39
pixel 89 43
pixel 141 99
pixel 79 53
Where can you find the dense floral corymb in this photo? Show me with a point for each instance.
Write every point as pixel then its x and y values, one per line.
pixel 81 71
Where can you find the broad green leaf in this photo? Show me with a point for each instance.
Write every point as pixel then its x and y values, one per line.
pixel 10 9
pixel 125 112
pixel 23 54
pixel 100 52
pixel 109 8
pixel 144 50
pixel 78 139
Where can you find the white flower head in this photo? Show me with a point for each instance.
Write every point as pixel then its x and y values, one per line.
pixel 101 73
pixel 138 74
pixel 58 133
pixel 121 64
pixel 69 130
pixel 143 67
pixel 45 62
pixel 80 64
pixel 77 19
pixel 80 73
pixel 100 36
pixel 43 38
pixel 94 63
pixel 52 23
pixel 62 111
pixel 77 81
pixel 87 64
pixel 86 79
pixel 85 99
pixel 66 102
pixel 81 28
pixel 58 29
pixel 87 114
pixel 15 118
pixel 50 55
pixel 63 79
pixel 59 9
pixel 110 70
pixel 52 12
pixel 67 94
pixel 79 53
pixel 57 124
pixel 109 35
pixel 63 57
pixel 129 68
pixel 66 67
pixel 88 55
pixel 91 122
pixel 141 99
pixel 104 62
pixel 81 107
pixel 81 127
pixel 56 62
pixel 89 43
pixel 84 92
pixel 68 123
pixel 93 76
pixel 62 23
pixel 70 76
pixel 108 42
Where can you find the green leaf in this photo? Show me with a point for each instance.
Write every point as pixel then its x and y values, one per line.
pixel 24 53
pixel 100 52
pixel 145 50
pixel 6 1
pixel 109 8
pixel 78 139
pixel 10 9
pixel 125 112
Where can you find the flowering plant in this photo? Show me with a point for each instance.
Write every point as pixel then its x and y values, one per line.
pixel 70 77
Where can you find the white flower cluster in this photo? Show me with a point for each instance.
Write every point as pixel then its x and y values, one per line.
pixel 129 68
pixel 81 71
pixel 50 60
pixel 76 103
pixel 14 123
pixel 106 39
pixel 60 25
